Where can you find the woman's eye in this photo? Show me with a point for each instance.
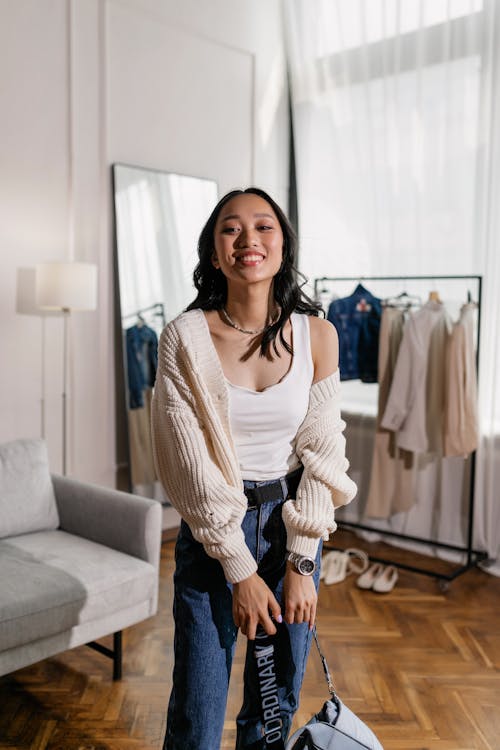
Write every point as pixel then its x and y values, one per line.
pixel 229 230
pixel 265 227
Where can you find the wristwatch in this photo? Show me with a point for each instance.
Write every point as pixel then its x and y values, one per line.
pixel 302 564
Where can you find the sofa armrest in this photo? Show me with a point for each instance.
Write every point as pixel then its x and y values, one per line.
pixel 125 522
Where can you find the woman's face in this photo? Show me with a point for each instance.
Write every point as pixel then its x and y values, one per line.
pixel 248 240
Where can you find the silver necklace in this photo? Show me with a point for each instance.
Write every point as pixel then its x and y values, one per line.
pixel 244 330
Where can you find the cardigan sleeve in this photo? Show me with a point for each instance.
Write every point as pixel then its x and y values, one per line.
pixel 196 487
pixel 324 486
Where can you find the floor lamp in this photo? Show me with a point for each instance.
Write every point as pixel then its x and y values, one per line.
pixel 26 305
pixel 66 288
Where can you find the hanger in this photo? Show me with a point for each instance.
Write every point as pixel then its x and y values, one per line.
pixel 403 300
pixel 470 302
pixel 434 296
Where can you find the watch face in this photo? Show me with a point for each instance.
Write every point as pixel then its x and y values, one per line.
pixel 306 566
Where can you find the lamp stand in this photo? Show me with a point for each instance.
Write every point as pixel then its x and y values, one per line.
pixel 42 368
pixel 66 287
pixel 66 313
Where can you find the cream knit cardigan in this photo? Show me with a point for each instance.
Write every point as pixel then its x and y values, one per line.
pixel 196 460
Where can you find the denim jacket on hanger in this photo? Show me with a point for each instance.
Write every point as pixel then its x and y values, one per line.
pixel 357 320
pixel 142 361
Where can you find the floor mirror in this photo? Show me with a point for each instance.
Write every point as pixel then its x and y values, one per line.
pixel 158 219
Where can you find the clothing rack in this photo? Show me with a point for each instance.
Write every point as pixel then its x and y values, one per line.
pixel 472 556
pixel 158 310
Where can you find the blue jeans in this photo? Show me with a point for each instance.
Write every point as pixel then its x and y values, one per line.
pixel 205 637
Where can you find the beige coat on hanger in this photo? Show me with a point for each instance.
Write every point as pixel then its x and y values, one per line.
pixel 391 477
pixel 460 417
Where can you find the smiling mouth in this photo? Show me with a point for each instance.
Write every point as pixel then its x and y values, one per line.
pixel 250 259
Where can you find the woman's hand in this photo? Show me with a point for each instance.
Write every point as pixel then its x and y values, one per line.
pixel 300 597
pixel 253 604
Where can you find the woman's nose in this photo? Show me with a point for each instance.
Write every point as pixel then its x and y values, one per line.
pixel 247 238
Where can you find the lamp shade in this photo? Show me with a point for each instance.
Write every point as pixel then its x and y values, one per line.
pixel 66 286
pixel 25 296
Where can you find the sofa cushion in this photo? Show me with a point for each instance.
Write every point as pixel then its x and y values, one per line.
pixel 27 501
pixel 52 580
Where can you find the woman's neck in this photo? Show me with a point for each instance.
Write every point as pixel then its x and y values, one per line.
pixel 251 309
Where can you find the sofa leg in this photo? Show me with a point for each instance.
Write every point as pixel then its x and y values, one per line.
pixel 115 653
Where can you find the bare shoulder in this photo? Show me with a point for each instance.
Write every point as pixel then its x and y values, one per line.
pixel 323 336
pixel 324 347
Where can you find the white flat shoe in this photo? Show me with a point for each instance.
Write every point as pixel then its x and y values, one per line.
pixel 386 581
pixel 338 564
pixel 368 578
pixel 336 568
pixel 326 561
pixel 357 561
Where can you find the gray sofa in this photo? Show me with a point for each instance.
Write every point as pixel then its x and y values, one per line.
pixel 77 561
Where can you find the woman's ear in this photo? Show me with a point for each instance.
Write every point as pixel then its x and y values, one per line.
pixel 215 260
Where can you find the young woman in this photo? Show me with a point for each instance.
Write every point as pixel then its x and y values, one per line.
pixel 248 444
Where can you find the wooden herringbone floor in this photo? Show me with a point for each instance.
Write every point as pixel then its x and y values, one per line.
pixel 420 666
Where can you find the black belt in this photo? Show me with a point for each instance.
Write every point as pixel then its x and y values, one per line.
pixel 285 487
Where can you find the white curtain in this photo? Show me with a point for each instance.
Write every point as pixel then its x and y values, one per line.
pixel 396 107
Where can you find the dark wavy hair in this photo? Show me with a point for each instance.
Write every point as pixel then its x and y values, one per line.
pixel 211 283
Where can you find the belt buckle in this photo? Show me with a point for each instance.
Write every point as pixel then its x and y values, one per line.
pixel 258 500
pixel 253 503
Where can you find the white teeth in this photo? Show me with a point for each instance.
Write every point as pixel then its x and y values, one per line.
pixel 250 258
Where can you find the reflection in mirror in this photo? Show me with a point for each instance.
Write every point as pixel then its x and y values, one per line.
pixel 158 219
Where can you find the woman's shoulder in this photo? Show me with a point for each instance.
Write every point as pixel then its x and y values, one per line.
pixel 183 330
pixel 184 321
pixel 322 329
pixel 324 347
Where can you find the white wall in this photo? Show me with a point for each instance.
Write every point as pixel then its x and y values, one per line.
pixel 191 87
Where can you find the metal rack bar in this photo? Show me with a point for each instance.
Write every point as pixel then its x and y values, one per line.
pixel 473 557
pixel 397 278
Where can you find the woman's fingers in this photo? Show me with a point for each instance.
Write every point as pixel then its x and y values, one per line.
pixel 274 608
pixel 312 616
pixel 254 604
pixel 300 598
pixel 299 614
pixel 248 624
pixel 271 612
pixel 298 610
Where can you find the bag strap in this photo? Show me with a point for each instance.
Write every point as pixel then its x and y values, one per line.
pixel 329 681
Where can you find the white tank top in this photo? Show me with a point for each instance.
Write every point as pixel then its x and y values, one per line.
pixel 264 423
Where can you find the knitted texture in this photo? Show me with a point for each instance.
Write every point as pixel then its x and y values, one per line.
pixel 324 486
pixel 196 459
